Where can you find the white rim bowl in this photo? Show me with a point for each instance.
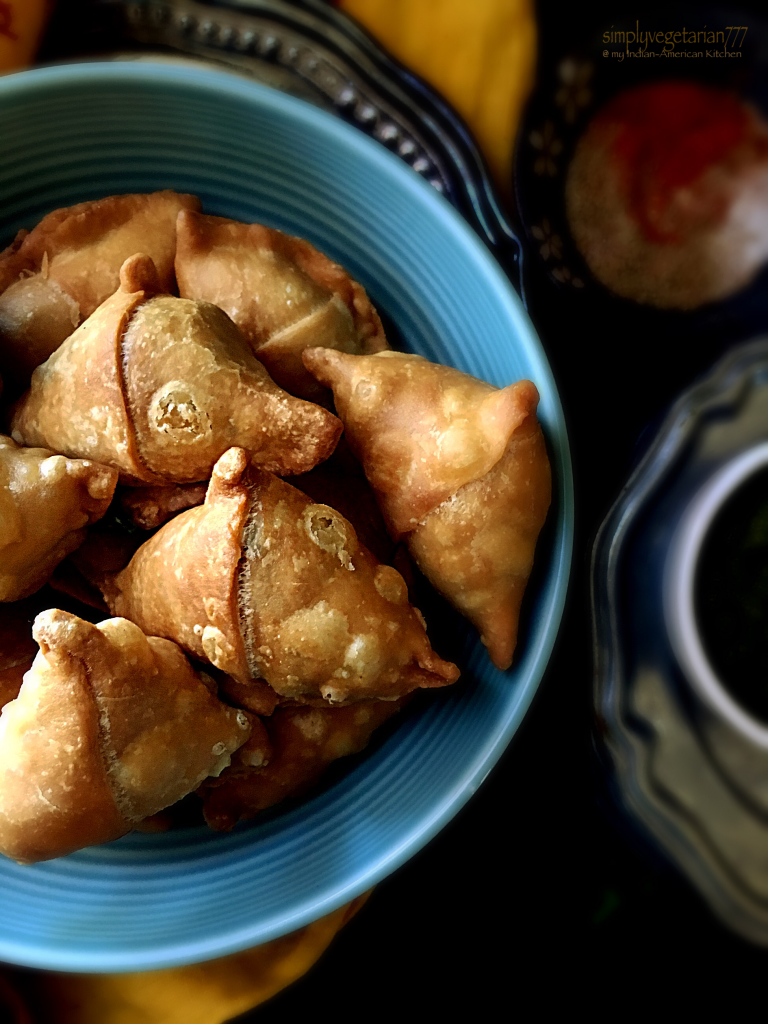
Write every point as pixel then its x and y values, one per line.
pixel 679 600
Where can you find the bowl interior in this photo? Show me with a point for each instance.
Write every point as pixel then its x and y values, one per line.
pixel 731 592
pixel 715 593
pixel 86 131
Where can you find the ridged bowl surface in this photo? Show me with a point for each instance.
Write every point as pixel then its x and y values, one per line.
pixel 84 131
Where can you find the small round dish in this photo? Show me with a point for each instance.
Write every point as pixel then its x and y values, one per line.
pixel 79 132
pixel 580 72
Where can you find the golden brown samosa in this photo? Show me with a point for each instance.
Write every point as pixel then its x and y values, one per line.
pixel 281 292
pixel 302 743
pixel 17 648
pixel 46 503
pixel 265 584
pixel 341 483
pixel 159 387
pixel 152 505
pixel 107 549
pixel 459 468
pixel 56 275
pixel 110 726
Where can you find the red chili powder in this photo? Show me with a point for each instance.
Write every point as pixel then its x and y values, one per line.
pixel 671 133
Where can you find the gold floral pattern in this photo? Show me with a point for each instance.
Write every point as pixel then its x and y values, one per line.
pixel 564 276
pixel 574 93
pixel 552 244
pixel 549 148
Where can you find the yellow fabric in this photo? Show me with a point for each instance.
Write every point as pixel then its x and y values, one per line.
pixel 21 23
pixel 208 993
pixel 480 54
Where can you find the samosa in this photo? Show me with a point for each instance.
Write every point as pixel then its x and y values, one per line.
pixel 302 743
pixel 17 648
pixel 460 470
pixel 53 277
pixel 46 503
pixel 282 293
pixel 160 387
pixel 265 584
pixel 110 727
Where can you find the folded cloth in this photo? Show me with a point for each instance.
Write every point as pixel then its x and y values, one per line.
pixel 480 55
pixel 21 25
pixel 208 993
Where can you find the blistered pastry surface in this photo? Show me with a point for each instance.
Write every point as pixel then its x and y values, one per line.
pixel 159 387
pixel 46 503
pixel 322 617
pixel 301 743
pixel 54 794
pixel 194 389
pixel 75 404
pixel 270 586
pixel 56 275
pixel 282 293
pixel 181 584
pixel 109 726
pixel 84 246
pixel 420 430
pixel 477 547
pixel 263 583
pixel 163 730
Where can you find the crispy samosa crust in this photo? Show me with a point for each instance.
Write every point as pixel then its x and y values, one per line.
pixel 477 547
pixel 302 743
pixel 17 649
pixel 110 727
pixel 281 292
pixel 459 467
pixel 46 503
pixel 151 506
pixel 183 580
pixel 265 584
pixel 159 387
pixel 11 679
pixel 107 549
pixel 341 483
pixel 421 430
pixel 56 275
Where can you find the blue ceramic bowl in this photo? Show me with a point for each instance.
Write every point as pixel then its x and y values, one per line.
pixel 81 132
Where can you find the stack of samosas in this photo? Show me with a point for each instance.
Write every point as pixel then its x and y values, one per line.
pixel 165 372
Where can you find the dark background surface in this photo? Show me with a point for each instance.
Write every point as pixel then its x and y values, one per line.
pixel 541 893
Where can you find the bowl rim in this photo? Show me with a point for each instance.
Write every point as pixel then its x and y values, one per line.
pixel 679 584
pixel 225 84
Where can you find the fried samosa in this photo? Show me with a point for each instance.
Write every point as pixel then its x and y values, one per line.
pixel 56 275
pixel 459 468
pixel 110 726
pixel 265 584
pixel 159 387
pixel 254 696
pixel 303 742
pixel 17 649
pixel 281 292
pixel 107 549
pixel 46 503
pixel 150 506
pixel 341 483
